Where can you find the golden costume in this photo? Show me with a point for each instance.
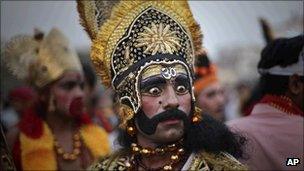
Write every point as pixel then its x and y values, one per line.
pixel 40 61
pixel 132 40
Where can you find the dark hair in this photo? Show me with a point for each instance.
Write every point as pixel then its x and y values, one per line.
pixel 273 84
pixel 89 74
pixel 209 135
pixel 201 61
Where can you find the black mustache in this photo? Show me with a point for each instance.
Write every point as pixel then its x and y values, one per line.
pixel 148 126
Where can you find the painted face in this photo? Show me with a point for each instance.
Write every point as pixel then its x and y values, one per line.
pixel 212 100
pixel 164 89
pixel 68 92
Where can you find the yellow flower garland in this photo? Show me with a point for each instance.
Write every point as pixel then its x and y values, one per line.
pixel 37 154
pixel 96 139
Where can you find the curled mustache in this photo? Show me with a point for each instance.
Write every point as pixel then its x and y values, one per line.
pixel 148 126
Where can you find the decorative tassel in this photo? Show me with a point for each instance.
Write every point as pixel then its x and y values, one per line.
pixel 51 105
pixel 197 116
pixel 125 113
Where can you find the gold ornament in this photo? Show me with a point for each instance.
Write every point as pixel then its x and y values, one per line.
pixel 76 151
pixel 131 130
pixel 197 116
pixel 176 156
pixel 158 38
pixel 168 167
pixel 125 113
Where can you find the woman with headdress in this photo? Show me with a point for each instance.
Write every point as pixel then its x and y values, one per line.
pixel 55 133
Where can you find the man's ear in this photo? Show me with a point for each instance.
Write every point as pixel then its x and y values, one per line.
pixel 294 84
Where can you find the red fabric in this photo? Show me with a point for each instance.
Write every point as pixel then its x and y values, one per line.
pixel 17 154
pixel 283 103
pixel 85 119
pixel 22 94
pixel 76 107
pixel 31 124
pixel 76 110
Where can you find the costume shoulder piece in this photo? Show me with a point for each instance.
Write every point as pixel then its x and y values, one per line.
pixel 201 162
pixel 117 161
pixel 218 162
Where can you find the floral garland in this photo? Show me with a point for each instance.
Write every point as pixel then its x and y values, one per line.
pixel 37 142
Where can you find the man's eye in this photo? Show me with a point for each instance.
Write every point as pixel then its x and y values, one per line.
pixel 81 85
pixel 68 86
pixel 154 91
pixel 211 94
pixel 181 89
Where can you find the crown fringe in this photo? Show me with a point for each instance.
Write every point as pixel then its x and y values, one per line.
pixel 87 18
pixel 98 53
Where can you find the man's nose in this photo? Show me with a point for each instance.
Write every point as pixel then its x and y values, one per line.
pixel 220 98
pixel 170 100
pixel 78 92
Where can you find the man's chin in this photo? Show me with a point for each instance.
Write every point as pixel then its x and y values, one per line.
pixel 172 137
pixel 171 122
pixel 170 134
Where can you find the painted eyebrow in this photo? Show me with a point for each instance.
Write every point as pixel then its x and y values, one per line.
pixel 182 78
pixel 152 81
pixel 71 81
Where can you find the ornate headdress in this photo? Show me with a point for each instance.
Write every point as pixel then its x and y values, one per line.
pixel 40 60
pixel 130 36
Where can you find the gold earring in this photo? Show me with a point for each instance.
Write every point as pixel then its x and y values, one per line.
pixel 131 130
pixel 197 116
pixel 51 105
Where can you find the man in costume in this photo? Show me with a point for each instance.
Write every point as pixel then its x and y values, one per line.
pixel 145 50
pixel 53 134
pixel 274 128
pixel 207 88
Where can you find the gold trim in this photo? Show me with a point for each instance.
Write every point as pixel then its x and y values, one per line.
pixel 113 29
pixel 156 69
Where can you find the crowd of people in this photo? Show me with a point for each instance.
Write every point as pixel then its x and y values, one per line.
pixel 150 100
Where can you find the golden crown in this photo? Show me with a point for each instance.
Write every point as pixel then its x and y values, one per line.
pixel 40 60
pixel 129 36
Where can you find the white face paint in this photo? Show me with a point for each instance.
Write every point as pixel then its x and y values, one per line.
pixel 168 73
